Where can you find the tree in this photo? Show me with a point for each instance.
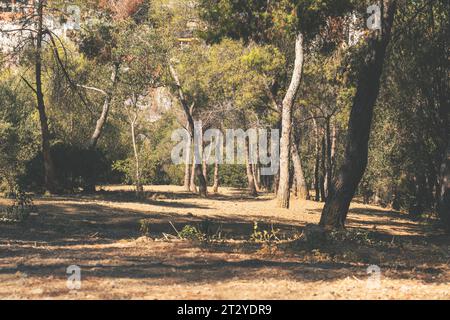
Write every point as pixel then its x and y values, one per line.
pixel 277 23
pixel 32 23
pixel 351 171
pixel 286 122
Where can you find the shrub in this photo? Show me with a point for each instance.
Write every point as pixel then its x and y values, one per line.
pixel 20 209
pixel 191 233
pixel 75 167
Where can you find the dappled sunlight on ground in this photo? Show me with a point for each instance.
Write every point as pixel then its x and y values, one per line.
pixel 101 234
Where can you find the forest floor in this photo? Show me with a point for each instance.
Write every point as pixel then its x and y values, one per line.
pixel 102 235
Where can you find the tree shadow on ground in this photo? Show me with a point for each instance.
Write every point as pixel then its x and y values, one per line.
pixel 162 198
pixel 88 234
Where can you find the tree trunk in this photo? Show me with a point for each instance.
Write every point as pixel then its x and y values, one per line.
pixel 105 110
pixel 328 158
pixel 354 164
pixel 317 160
pixel 276 183
pixel 256 177
pixel 216 178
pixel 248 166
pixel 193 185
pixel 100 124
pixel 286 124
pixel 443 207
pixel 202 188
pixel 300 182
pixel 50 180
pixel 187 171
pixel 204 164
pixel 322 174
pixel 333 147
pixel 139 188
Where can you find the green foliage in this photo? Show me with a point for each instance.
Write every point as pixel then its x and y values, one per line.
pixel 267 21
pixel 144 226
pixel 191 233
pixel 410 131
pixel 75 166
pixel 361 237
pixel 266 236
pixel 18 130
pixel 232 176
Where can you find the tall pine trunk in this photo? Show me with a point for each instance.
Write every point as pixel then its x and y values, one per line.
pixel 300 182
pixel 354 164
pixel 283 193
pixel 50 180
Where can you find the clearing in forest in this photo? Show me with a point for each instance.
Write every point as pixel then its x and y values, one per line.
pixel 103 235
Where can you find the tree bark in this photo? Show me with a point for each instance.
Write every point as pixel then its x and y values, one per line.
pixel 322 172
pixel 105 109
pixel 286 124
pixel 443 207
pixel 248 166
pixel 204 164
pixel 187 168
pixel 256 177
pixel 317 161
pixel 328 158
pixel 193 185
pixel 50 180
pixel 100 124
pixel 139 188
pixel 216 178
pixel 354 164
pixel 202 188
pixel 300 182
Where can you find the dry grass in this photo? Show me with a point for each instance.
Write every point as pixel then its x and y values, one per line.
pixel 101 235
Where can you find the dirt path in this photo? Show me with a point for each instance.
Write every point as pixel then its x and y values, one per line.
pixel 101 234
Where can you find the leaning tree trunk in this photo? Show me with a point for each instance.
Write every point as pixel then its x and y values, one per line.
pixel 105 109
pixel 354 164
pixel 202 188
pixel 51 183
pixel 300 182
pixel 283 193
pixel 100 124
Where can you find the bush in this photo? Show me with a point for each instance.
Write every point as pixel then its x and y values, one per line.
pixel 267 236
pixel 20 210
pixel 75 167
pixel 191 233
